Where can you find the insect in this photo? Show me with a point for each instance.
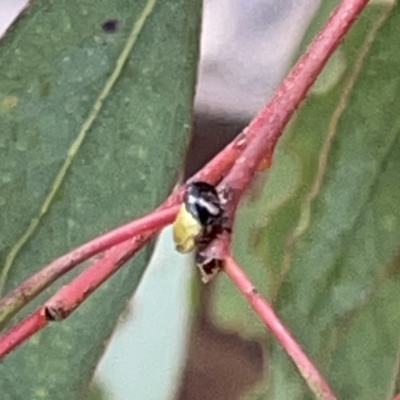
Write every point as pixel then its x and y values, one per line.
pixel 199 218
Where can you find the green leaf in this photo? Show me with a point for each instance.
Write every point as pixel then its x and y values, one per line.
pixel 111 108
pixel 96 392
pixel 331 245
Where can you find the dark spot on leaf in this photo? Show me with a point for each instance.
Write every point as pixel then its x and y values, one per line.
pixel 110 26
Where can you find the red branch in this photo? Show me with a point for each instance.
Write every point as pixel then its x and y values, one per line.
pixel 31 287
pixel 22 331
pixel 272 119
pixel 70 296
pixel 309 372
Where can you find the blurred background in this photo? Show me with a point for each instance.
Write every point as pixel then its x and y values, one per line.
pixel 167 335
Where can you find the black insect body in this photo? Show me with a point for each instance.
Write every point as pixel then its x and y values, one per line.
pixel 200 217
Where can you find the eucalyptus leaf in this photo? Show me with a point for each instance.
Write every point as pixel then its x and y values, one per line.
pixel 331 244
pixel 95 109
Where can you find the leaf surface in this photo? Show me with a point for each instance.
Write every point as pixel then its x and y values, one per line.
pixel 104 90
pixel 327 227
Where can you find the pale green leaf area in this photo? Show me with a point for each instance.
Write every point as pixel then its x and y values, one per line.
pixel 327 228
pixel 56 62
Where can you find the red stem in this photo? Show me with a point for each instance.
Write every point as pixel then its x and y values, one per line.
pixel 42 279
pixel 272 119
pixel 309 372
pixel 70 296
pixel 22 331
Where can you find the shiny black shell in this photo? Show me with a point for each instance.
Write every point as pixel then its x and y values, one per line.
pixel 202 201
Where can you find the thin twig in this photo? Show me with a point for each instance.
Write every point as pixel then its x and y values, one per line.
pixel 59 307
pixel 71 295
pixel 32 286
pixel 276 114
pixel 308 371
pixel 22 331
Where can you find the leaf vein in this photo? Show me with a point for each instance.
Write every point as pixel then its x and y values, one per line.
pixel 304 219
pixel 77 143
